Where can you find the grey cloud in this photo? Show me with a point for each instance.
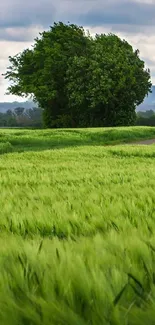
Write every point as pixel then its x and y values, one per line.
pixel 150 63
pixel 24 34
pixel 15 13
pixel 125 13
pixel 132 28
pixel 126 16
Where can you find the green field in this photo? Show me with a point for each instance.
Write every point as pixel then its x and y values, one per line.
pixel 77 227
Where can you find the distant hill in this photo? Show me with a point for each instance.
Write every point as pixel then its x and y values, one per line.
pixel 12 105
pixel 149 102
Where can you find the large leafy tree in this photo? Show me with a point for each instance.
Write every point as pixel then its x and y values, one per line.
pixel 41 71
pixel 108 85
pixel 81 81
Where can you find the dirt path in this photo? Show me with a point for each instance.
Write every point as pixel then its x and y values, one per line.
pixel 144 142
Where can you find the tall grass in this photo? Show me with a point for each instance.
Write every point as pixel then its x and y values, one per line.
pixel 77 228
pixel 64 138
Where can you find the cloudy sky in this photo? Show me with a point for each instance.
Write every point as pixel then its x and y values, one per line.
pixel 22 20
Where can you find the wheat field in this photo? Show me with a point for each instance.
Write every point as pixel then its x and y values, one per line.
pixel 77 227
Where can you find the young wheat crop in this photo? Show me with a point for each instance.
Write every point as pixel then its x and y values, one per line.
pixel 77 227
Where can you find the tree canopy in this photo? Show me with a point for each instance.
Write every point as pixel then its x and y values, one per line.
pixel 79 80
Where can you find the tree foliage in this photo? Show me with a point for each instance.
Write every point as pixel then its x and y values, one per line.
pixel 80 81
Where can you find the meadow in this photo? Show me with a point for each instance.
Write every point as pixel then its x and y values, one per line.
pixel 77 227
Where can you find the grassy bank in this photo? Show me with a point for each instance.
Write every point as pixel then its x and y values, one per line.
pixel 23 140
pixel 77 227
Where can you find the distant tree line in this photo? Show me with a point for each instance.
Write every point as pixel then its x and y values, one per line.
pixel 32 117
pixel 20 117
pixel 146 118
pixel 79 80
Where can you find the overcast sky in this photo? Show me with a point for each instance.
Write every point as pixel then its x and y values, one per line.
pixel 21 21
